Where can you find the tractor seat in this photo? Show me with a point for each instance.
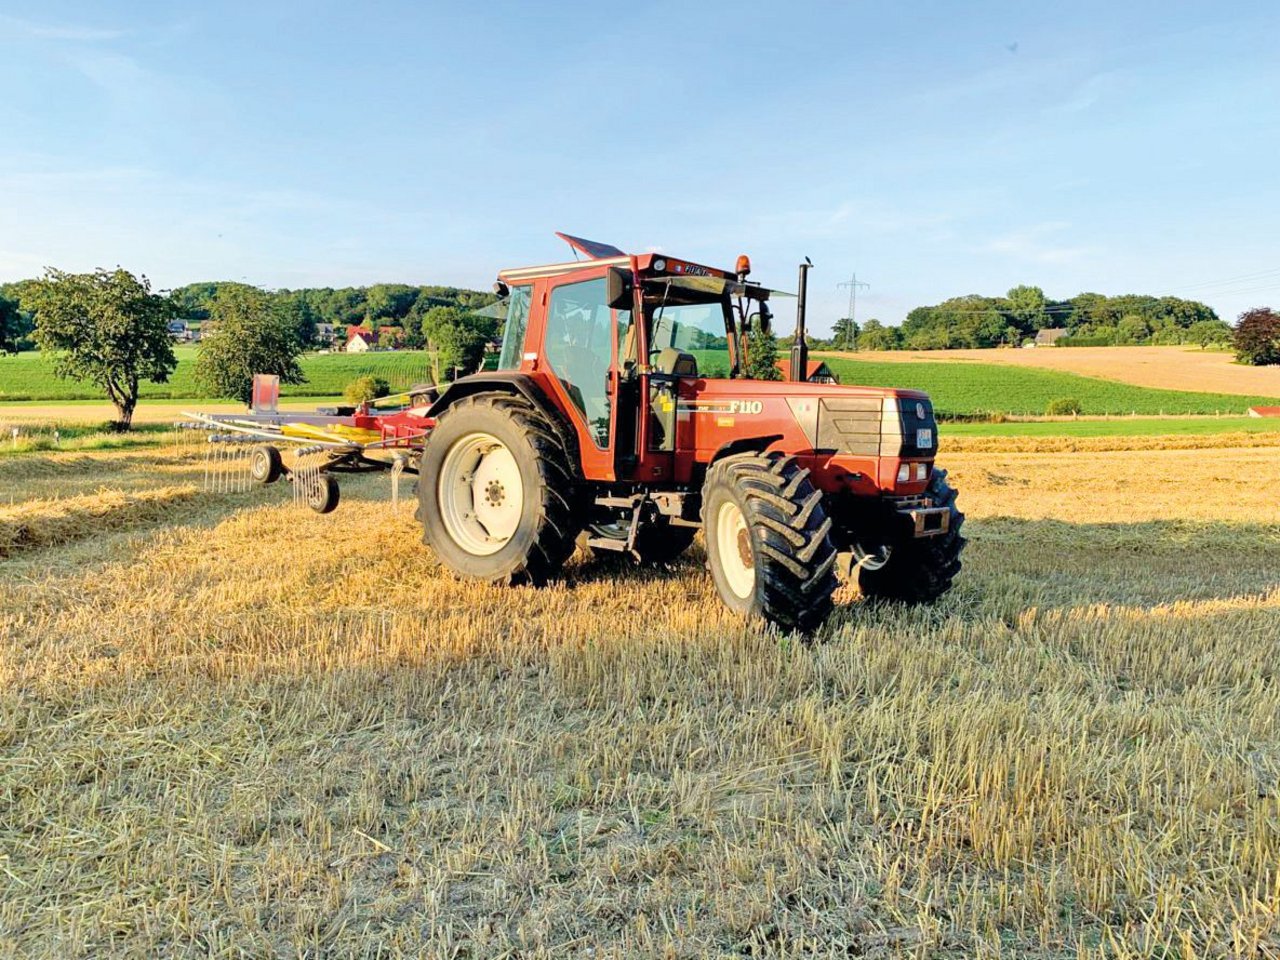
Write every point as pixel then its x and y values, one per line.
pixel 675 362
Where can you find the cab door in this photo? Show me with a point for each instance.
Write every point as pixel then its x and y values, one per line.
pixel 579 350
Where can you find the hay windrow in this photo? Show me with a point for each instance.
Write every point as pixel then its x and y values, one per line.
pixel 60 520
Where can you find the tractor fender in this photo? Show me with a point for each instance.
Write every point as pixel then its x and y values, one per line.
pixel 517 384
pixel 745 445
pixel 734 447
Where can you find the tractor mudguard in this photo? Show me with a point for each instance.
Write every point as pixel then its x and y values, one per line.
pixel 520 384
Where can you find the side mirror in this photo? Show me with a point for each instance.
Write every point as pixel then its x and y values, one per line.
pixel 618 285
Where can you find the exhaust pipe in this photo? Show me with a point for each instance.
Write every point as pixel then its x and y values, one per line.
pixel 800 349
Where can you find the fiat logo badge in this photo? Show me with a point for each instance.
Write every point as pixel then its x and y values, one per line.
pixel 920 410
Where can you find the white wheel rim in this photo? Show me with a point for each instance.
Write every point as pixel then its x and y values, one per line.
pixel 733 547
pixel 480 494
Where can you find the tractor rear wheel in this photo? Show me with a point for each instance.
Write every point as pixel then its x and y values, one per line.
pixel 920 570
pixel 496 491
pixel 768 540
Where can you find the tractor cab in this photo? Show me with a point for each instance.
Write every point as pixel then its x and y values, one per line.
pixel 614 337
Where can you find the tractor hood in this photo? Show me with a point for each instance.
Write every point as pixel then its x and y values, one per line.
pixel 863 421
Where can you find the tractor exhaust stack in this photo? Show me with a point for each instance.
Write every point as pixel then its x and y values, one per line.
pixel 800 348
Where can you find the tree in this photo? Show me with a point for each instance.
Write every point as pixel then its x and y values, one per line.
pixel 876 336
pixel 302 316
pixel 455 338
pixel 1257 337
pixel 248 332
pixel 844 335
pixel 106 328
pixel 1204 333
pixel 762 353
pixel 1132 329
pixel 364 389
pixel 12 325
pixel 1028 308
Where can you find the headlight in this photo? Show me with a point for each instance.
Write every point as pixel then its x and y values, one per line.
pixel 904 473
pixel 922 471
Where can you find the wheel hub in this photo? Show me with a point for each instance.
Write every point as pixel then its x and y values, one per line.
pixel 733 549
pixel 480 493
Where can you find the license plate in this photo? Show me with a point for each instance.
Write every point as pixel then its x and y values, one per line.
pixel 924 438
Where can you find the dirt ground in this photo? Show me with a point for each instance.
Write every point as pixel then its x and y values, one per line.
pixel 1173 368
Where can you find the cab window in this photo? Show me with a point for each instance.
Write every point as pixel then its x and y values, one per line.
pixel 513 332
pixel 698 329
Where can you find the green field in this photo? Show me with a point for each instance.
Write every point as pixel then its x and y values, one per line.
pixel 28 377
pixel 960 389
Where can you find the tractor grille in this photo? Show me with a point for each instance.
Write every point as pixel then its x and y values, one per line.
pixel 850 425
pixel 868 426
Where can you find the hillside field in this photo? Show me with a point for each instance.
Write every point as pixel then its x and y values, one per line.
pixel 959 388
pixel 28 377
pixel 1167 368
pixel 230 727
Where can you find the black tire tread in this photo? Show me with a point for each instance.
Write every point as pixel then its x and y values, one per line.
pixel 555 535
pixel 921 571
pixel 796 565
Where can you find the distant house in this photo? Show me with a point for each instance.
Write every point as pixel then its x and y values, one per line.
pixel 1264 411
pixel 325 333
pixel 181 331
pixel 1050 336
pixel 817 371
pixel 360 342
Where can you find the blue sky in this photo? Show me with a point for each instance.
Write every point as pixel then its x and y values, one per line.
pixel 936 148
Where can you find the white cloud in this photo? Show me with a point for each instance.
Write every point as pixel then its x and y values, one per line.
pixel 1036 244
pixel 79 33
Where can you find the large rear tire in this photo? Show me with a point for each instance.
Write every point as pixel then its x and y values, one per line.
pixel 920 570
pixel 768 541
pixel 495 492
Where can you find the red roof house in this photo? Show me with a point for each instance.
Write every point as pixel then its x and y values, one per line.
pixel 817 371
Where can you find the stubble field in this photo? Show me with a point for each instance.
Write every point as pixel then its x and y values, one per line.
pixel 232 728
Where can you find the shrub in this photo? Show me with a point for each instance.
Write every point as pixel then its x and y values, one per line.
pixel 364 389
pixel 1257 338
pixel 1064 407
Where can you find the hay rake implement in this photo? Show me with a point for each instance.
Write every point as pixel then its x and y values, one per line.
pixel 306 449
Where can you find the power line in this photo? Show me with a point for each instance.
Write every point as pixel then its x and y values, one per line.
pixel 853 283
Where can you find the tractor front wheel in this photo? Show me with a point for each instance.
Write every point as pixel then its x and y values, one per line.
pixel 919 570
pixel 495 492
pixel 768 540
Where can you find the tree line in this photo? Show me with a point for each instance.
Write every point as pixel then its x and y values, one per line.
pixel 110 329
pixel 1090 319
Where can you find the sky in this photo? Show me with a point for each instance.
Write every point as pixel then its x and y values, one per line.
pixel 935 149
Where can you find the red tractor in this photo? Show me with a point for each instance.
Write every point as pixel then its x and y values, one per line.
pixel 619 408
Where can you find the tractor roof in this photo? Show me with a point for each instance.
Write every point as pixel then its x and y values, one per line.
pixel 606 254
